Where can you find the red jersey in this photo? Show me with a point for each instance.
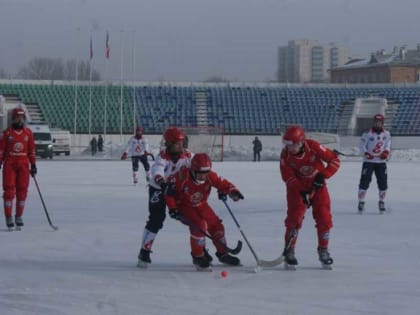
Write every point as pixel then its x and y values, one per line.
pixel 299 171
pixel 17 145
pixel 184 192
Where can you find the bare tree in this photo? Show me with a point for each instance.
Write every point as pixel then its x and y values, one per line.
pixel 56 69
pixel 216 79
pixel 3 74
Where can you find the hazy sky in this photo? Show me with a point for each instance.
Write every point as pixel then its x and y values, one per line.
pixel 186 40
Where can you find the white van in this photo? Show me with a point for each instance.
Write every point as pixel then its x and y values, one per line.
pixel 43 140
pixel 61 141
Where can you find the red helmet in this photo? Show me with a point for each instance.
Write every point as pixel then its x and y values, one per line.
pixel 18 112
pixel 379 117
pixel 173 134
pixel 139 129
pixel 201 162
pixel 293 134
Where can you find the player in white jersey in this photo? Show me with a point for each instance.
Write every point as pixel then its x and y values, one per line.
pixel 138 150
pixel 169 161
pixel 375 146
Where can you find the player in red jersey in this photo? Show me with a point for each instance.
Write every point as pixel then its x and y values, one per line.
pixel 304 166
pixel 186 198
pixel 17 152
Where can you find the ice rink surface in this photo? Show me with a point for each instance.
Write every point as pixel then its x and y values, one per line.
pixel 88 265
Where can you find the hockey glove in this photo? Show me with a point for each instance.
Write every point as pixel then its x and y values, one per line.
pixel 33 170
pixel 161 182
pixel 306 199
pixel 124 156
pixel 175 214
pixel 384 155
pixel 319 181
pixel 369 156
pixel 235 195
pixel 222 195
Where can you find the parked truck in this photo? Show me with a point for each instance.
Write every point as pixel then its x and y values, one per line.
pixel 43 140
pixel 61 141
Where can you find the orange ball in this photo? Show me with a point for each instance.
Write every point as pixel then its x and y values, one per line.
pixel 224 273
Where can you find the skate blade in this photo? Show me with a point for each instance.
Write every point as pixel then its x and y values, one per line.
pixel 289 267
pixel 142 264
pixel 10 229
pixel 201 269
pixel 326 267
pixel 18 228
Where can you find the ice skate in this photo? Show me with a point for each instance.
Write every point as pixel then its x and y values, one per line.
pixel 144 258
pixel 202 263
pixel 290 261
pixel 361 206
pixel 381 206
pixel 9 223
pixel 325 258
pixel 227 259
pixel 18 222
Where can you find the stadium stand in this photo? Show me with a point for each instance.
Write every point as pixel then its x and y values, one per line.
pixel 241 109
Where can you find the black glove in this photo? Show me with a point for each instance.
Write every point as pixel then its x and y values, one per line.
pixel 33 170
pixel 222 195
pixel 319 181
pixel 175 214
pixel 305 197
pixel 161 182
pixel 235 195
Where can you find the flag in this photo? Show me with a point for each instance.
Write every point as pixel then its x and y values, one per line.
pixel 91 48
pixel 107 49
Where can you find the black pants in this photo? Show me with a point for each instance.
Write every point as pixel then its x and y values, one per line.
pixel 257 156
pixel 143 159
pixel 157 210
pixel 381 174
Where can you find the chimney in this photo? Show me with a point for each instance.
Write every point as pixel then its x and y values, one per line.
pixel 418 47
pixel 402 53
pixel 395 50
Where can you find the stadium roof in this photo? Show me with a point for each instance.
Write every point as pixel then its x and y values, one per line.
pixel 402 58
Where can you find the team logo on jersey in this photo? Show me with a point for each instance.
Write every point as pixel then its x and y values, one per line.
pixel 155 197
pixel 306 170
pixel 197 197
pixel 18 147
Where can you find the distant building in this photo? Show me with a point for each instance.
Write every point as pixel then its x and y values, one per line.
pixel 304 61
pixel 400 66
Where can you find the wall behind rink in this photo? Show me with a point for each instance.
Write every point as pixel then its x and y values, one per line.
pixel 239 148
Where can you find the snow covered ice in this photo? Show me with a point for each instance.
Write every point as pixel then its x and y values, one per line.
pixel 88 266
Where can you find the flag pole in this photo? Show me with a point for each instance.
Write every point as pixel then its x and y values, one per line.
pixel 107 52
pixel 134 80
pixel 75 87
pixel 121 88
pixel 90 86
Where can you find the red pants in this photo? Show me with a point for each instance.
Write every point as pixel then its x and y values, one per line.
pixel 15 182
pixel 203 217
pixel 321 212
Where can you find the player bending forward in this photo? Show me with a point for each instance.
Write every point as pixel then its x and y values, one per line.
pixel 186 198
pixel 304 166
